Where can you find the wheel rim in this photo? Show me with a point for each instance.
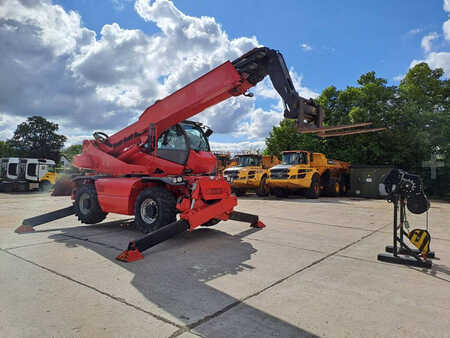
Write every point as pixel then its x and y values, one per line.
pixel 337 187
pixel 316 188
pixel 149 211
pixel 85 203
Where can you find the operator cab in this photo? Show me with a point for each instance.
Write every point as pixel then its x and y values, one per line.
pixel 248 160
pixel 294 157
pixel 175 143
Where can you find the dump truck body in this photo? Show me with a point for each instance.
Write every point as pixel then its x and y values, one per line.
pixel 312 173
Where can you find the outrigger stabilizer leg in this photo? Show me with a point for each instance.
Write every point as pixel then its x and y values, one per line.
pixel 29 223
pixel 137 247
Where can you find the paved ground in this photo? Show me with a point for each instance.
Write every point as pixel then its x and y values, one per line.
pixel 311 272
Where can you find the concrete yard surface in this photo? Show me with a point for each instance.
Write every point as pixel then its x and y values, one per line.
pixel 313 271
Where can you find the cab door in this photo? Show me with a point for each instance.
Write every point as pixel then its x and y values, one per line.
pixel 173 146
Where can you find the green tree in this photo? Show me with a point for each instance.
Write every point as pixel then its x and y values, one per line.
pixel 71 151
pixel 415 114
pixel 37 137
pixel 286 137
pixel 6 150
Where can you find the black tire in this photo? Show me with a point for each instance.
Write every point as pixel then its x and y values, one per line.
pixel 343 186
pixel 7 187
pixel 238 192
pixel 333 187
pixel 263 189
pixel 314 189
pixel 86 205
pixel 154 208
pixel 45 186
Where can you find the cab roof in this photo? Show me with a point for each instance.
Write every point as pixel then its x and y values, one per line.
pixel 295 151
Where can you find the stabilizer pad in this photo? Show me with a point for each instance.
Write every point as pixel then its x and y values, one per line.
pixel 258 224
pixel 129 256
pixel 23 229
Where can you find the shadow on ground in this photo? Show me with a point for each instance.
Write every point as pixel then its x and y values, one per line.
pixel 302 199
pixel 177 276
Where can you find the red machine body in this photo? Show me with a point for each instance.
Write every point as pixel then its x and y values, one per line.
pixel 161 165
pixel 164 151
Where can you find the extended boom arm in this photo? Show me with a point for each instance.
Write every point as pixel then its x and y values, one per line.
pixel 229 79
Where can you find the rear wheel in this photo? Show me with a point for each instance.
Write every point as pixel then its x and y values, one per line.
pixel 314 189
pixel 333 187
pixel 86 205
pixel 154 208
pixel 263 189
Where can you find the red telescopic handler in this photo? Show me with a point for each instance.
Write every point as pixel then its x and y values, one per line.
pixel 161 169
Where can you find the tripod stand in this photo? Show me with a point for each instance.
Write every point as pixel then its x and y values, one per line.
pixel 411 257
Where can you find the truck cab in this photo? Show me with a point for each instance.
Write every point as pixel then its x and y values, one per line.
pixel 307 172
pixel 24 174
pixel 250 173
pixel 41 171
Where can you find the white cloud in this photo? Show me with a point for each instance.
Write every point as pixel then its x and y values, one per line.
pixel 237 147
pixel 63 71
pixel 436 60
pixel 447 5
pixel 120 4
pixel 426 41
pixel 446 29
pixel 399 77
pixel 306 47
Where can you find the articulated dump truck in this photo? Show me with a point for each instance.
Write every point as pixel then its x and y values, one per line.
pixel 250 173
pixel 309 173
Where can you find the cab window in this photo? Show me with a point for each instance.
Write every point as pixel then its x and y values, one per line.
pixel 31 169
pixel 295 158
pixel 172 139
pixel 12 169
pixel 196 137
pixel 172 145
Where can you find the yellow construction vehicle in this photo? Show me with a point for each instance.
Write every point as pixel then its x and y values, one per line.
pixel 250 173
pixel 310 173
pixel 223 160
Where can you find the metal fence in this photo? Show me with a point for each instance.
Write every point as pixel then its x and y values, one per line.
pixel 438 187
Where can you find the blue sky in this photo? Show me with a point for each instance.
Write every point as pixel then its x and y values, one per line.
pixel 90 81
pixel 347 38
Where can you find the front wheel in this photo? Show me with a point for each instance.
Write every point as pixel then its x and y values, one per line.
pixel 86 205
pixel 314 189
pixel 263 189
pixel 154 208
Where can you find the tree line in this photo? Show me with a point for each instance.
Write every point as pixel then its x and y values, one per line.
pixel 415 114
